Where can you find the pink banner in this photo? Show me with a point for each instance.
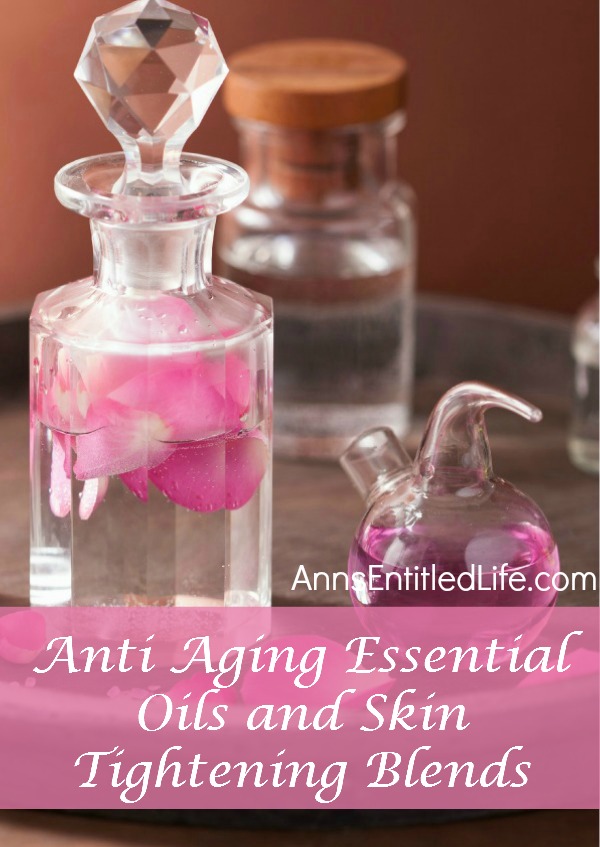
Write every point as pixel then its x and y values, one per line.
pixel 293 708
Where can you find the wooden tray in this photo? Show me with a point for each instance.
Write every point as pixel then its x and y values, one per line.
pixel 316 510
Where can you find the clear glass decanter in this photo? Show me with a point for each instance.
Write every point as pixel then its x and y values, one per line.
pixel 328 230
pixel 151 390
pixel 447 512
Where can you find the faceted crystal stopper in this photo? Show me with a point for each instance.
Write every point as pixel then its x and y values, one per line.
pixel 151 70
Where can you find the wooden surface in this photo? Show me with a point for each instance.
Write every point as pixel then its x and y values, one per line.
pixel 531 829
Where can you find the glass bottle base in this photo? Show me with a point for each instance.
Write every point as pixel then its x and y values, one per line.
pixel 325 430
pixel 50 576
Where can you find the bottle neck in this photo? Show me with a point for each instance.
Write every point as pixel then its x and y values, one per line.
pixel 375 462
pixel 169 257
pixel 324 169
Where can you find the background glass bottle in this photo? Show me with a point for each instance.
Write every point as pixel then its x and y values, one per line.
pixel 583 431
pixel 151 380
pixel 328 231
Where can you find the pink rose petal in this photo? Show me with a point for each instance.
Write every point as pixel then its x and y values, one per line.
pixel 104 373
pixel 94 492
pixel 137 482
pixel 246 463
pixel 193 476
pixel 215 475
pixel 63 401
pixel 239 383
pixel 134 440
pixel 231 377
pixel 60 475
pixel 184 398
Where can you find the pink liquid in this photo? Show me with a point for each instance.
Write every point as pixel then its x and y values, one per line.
pixel 400 564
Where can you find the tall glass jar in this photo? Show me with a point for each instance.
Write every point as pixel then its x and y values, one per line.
pixel 328 231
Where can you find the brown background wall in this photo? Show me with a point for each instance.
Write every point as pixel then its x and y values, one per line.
pixel 501 144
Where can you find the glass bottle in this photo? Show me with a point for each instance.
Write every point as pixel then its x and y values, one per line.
pixel 151 380
pixel 583 431
pixel 447 512
pixel 328 231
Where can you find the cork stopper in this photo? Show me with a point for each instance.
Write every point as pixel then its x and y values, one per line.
pixel 315 84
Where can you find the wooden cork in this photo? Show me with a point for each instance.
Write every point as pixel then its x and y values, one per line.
pixel 315 83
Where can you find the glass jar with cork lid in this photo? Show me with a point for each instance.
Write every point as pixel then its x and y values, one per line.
pixel 328 231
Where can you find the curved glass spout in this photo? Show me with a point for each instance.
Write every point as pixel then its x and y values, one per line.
pixel 373 460
pixel 455 442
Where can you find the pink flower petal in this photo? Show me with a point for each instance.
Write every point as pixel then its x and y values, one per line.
pixel 184 398
pixel 231 377
pixel 103 373
pixel 60 475
pixel 193 476
pixel 247 460
pixel 134 440
pixel 239 383
pixel 137 482
pixel 67 448
pixel 62 401
pixel 94 491
pixel 214 475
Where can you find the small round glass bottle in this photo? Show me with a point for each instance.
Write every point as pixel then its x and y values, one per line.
pixel 328 231
pixel 447 512
pixel 151 380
